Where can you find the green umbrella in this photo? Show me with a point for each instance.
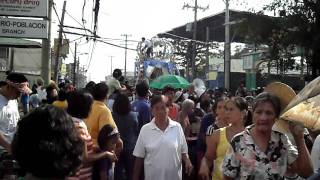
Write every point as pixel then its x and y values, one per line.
pixel 169 80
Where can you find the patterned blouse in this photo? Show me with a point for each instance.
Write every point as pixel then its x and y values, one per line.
pixel 246 161
pixel 85 171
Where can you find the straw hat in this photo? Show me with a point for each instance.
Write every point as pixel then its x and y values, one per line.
pixel 285 93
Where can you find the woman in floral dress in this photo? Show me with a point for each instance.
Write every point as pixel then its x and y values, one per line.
pixel 259 153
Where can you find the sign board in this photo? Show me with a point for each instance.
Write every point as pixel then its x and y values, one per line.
pixel 23 28
pixel 213 75
pixel 296 50
pixel 27 60
pixel 25 8
pixel 248 62
pixel 63 70
pixel 64 49
pixel 216 64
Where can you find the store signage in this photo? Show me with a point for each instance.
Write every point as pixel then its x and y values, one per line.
pixel 24 8
pixel 23 28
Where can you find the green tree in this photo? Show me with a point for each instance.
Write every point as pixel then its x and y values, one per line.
pixel 301 22
pixel 265 32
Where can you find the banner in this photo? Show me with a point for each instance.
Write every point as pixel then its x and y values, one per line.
pixel 23 28
pixel 25 8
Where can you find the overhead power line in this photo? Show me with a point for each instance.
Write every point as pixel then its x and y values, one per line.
pixel 97 38
pixel 75 20
pixel 115 45
pixel 60 24
pixel 113 39
pixel 93 48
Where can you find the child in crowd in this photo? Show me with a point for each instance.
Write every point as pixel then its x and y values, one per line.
pixel 107 140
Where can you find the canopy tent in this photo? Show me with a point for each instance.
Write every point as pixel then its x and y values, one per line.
pixel 242 24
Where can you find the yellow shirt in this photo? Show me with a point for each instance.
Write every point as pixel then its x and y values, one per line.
pixel 60 104
pixel 222 149
pixel 100 115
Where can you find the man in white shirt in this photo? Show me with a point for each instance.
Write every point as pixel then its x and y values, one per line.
pixel 147 46
pixel 161 146
pixel 9 114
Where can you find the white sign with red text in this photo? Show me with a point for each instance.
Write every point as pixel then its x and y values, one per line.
pixel 25 8
pixel 23 28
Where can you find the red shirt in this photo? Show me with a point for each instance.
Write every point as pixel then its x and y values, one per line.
pixel 173 112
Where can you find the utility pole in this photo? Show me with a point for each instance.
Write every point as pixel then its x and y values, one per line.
pixel 75 64
pixel 111 65
pixel 207 52
pixel 125 53
pixel 227 48
pixel 195 9
pixel 57 61
pixel 46 52
pixel 78 74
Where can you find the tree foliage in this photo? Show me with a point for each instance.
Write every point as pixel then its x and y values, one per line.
pixel 300 25
pixel 296 23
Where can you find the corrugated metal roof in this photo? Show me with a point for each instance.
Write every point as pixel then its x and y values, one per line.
pixel 245 23
pixel 18 43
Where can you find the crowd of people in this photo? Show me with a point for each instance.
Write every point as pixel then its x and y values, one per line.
pixel 98 132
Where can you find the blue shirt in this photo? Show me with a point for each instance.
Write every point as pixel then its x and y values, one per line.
pixel 206 121
pixel 25 98
pixel 143 108
pixel 128 129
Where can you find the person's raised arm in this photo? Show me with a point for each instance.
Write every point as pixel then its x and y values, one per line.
pixel 303 164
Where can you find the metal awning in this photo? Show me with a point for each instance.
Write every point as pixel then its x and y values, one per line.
pixel 242 23
pixel 18 43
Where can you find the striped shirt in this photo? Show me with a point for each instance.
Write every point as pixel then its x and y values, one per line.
pixel 85 171
pixel 211 128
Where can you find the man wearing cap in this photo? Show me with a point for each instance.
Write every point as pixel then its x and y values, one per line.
pixel 16 84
